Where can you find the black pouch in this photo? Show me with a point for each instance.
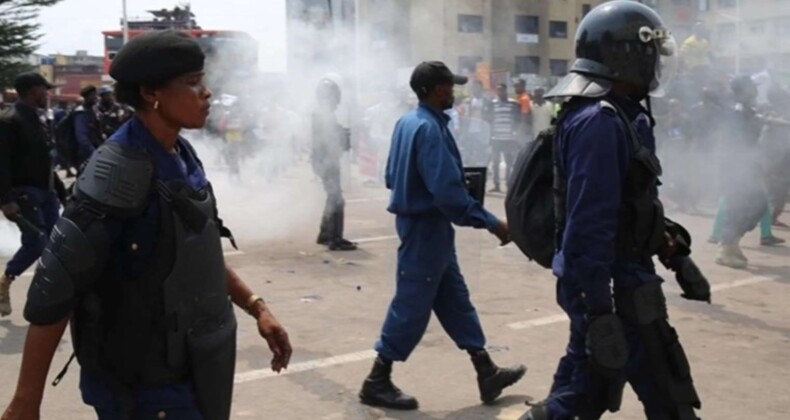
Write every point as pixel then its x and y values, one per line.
pixel 212 360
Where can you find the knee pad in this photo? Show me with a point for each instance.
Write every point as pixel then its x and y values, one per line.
pixel 645 309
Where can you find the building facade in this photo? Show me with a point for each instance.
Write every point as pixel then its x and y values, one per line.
pixel 748 36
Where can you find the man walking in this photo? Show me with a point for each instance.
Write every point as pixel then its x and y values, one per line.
pixel 425 175
pixel 28 184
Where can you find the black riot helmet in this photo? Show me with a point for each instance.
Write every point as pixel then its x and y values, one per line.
pixel 328 93
pixel 625 41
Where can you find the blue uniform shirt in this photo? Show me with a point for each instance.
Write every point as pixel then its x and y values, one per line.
pixel 143 232
pixel 428 191
pixel 594 152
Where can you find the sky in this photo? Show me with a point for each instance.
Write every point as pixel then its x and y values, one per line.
pixel 73 25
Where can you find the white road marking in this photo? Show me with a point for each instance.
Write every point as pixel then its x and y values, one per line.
pixel 740 283
pixel 255 375
pixel 538 322
pixel 375 239
pixel 557 318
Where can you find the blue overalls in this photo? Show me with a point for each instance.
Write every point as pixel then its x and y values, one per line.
pixel 135 249
pixel 428 196
pixel 594 153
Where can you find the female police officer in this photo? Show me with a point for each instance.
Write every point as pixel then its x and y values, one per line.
pixel 136 262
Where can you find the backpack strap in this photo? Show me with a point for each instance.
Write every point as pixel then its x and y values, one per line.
pixel 638 150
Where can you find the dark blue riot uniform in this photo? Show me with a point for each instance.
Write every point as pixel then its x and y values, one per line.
pixel 594 154
pixel 425 175
pixel 134 364
pixel 610 224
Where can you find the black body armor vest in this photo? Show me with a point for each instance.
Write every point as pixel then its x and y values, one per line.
pixel 640 231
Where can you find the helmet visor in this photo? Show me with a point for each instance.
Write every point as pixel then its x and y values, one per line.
pixel 666 64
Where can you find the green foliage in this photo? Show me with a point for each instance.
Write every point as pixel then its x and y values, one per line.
pixel 18 35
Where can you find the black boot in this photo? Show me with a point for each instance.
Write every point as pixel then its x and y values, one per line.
pixel 379 391
pixel 537 411
pixel 492 379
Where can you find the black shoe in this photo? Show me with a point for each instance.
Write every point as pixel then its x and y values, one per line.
pixel 342 245
pixel 495 190
pixel 323 240
pixel 379 391
pixel 492 379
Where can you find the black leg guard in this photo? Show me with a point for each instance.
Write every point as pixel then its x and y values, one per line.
pixel 645 309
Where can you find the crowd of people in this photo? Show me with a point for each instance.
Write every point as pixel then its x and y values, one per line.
pixel 134 259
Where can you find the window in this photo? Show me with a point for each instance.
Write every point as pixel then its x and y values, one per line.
pixel 558 29
pixel 527 65
pixel 727 3
pixel 468 64
pixel 704 5
pixel 470 24
pixel 558 67
pixel 527 29
pixel 681 2
pixel 586 9
pixel 527 24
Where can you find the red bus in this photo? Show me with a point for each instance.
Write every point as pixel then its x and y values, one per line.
pixel 234 48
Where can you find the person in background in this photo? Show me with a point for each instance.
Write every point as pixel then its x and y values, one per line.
pixel 111 114
pixel 776 147
pixel 505 118
pixel 330 141
pixel 428 196
pixel 525 104
pixel 30 190
pixel 87 128
pixel 743 202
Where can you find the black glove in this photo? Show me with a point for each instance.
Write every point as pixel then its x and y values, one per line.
pixel 694 284
pixel 607 352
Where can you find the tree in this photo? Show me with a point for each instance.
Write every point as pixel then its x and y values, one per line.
pixel 18 36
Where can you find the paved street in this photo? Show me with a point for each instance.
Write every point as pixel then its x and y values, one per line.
pixel 333 305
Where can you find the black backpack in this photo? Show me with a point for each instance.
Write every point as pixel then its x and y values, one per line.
pixel 529 203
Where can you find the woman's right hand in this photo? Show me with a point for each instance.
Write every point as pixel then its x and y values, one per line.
pixel 20 409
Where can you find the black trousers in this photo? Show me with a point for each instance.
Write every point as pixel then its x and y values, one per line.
pixel 499 149
pixel 332 222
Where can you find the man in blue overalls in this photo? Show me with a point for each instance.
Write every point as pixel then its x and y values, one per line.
pixel 425 174
pixel 610 225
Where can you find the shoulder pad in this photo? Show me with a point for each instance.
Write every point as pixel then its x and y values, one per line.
pixel 118 178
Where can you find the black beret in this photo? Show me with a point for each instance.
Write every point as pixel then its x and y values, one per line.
pixel 155 57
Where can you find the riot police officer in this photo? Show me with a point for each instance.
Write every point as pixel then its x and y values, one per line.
pixel 111 113
pixel 330 141
pixel 136 263
pixel 610 225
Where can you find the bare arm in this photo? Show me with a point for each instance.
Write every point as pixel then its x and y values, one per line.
pixel 268 326
pixel 40 346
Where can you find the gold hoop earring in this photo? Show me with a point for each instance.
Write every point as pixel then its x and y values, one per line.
pixel 156 105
